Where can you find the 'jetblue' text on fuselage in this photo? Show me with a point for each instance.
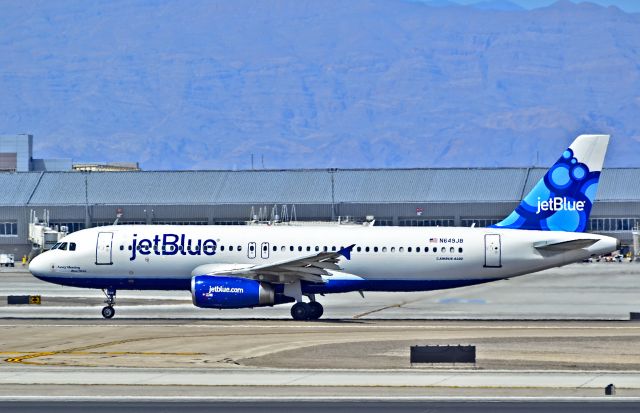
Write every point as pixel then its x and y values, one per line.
pixel 171 244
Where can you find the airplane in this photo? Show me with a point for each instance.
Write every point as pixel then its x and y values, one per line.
pixel 255 266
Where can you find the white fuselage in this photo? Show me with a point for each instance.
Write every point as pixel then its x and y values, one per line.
pixel 384 258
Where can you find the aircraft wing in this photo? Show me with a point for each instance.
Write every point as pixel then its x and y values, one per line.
pixel 308 268
pixel 562 246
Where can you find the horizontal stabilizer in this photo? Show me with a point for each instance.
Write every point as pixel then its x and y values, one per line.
pixel 574 244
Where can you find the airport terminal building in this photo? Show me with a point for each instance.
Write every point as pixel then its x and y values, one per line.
pixel 402 197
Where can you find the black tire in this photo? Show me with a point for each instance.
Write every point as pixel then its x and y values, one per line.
pixel 316 310
pixel 300 311
pixel 108 312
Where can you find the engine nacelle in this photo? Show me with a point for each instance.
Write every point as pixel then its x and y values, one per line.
pixel 230 292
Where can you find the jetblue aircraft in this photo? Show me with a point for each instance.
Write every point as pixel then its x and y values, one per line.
pixel 255 266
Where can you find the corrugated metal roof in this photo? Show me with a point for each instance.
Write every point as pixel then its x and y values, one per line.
pixel 291 186
pixel 304 187
pixel 620 184
pixel 16 188
pixel 184 187
pixel 60 188
pixel 429 185
pixel 616 184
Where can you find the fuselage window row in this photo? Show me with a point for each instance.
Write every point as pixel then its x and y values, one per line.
pixel 230 248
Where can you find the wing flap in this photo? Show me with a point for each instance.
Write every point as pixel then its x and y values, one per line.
pixel 308 268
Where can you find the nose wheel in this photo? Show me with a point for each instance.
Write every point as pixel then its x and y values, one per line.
pixel 108 311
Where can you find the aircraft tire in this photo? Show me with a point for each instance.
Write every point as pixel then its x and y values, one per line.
pixel 316 310
pixel 108 312
pixel 300 311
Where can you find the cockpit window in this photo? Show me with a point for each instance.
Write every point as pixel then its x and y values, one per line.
pixel 55 246
pixel 72 246
pixel 63 246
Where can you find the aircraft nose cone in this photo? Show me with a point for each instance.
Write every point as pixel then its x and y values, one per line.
pixel 38 266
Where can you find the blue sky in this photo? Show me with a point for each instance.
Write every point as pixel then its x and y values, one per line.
pixel 630 6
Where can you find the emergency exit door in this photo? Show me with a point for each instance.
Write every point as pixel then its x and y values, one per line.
pixel 251 251
pixel 103 248
pixel 492 251
pixel 264 250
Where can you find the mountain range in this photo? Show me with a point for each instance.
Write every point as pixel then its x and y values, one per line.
pixel 204 84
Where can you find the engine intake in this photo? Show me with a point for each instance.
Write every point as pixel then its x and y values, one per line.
pixel 230 292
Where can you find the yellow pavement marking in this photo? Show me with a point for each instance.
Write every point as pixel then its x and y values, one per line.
pixel 25 356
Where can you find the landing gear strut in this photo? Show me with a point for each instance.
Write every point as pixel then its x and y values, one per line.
pixel 109 311
pixel 302 311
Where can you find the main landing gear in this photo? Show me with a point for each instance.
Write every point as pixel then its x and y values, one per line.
pixel 302 311
pixel 109 311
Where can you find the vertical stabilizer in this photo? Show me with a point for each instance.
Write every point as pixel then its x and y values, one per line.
pixel 562 199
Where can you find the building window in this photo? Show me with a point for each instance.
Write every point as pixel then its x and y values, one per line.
pixel 8 229
pixel 413 222
pixel 480 222
pixel 229 222
pixel 71 226
pixel 182 222
pixel 612 224
pixel 107 223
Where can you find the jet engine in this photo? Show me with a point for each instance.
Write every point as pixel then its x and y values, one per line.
pixel 231 292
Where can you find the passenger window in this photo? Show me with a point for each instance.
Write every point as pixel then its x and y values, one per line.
pixel 308 248
pixel 63 246
pixel 72 246
pixel 375 249
pixel 291 248
pixel 443 249
pixel 333 248
pixel 251 248
pixel 222 248
pixel 121 247
pixel 275 248
pixel 230 247
pixel 130 248
pixel 435 249
pixel 460 250
pixel 326 248
pixel 393 249
pixel 401 249
pixel 409 249
pixel 299 247
pixel 283 249
pixel 426 249
pixel 384 249
pixel 451 250
pixel 239 247
pixel 317 248
pixel 359 249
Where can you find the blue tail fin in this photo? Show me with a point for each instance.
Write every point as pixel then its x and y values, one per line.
pixel 562 199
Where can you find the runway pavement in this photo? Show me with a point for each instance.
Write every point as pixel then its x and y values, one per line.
pixel 579 291
pixel 314 406
pixel 562 332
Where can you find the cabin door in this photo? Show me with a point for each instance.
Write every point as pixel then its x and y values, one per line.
pixel 103 248
pixel 492 251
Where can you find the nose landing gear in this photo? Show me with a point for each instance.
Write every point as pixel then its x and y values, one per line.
pixel 109 311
